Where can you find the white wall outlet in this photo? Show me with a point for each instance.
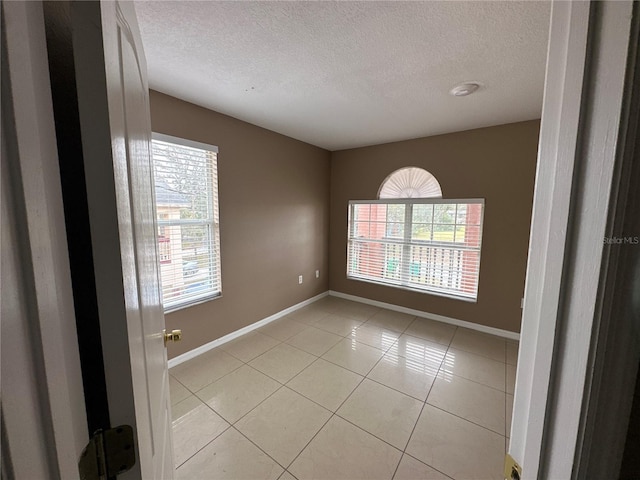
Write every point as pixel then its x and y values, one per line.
pixel 299 279
pixel 317 273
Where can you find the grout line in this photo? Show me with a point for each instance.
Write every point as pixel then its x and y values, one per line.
pixel 466 420
pixel 458 416
pixel 260 403
pixel 228 373
pixel 396 390
pixel 505 417
pixel 244 338
pixel 430 466
pixel 470 380
pixel 202 448
pixel 311 439
pixel 300 373
pixel 259 448
pixel 372 434
pixel 478 355
pixel 426 398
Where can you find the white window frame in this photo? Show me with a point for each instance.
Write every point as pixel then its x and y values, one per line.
pixel 407 242
pixel 212 222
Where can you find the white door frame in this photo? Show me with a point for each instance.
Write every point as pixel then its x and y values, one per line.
pixel 582 121
pixel 43 406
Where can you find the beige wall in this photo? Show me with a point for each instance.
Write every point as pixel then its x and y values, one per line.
pixel 497 164
pixel 274 220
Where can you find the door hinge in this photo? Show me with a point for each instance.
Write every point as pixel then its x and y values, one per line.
pixel 108 453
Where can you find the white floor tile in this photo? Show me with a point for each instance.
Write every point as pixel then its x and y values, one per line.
pixel 512 352
pixel 475 367
pixel 412 469
pixel 480 343
pixel 456 447
pixel 238 392
pixel 283 329
pixel 194 425
pixel 177 391
pixel 336 324
pixel 230 457
pixel 383 412
pixel 431 330
pixel 354 356
pixel 470 400
pixel 283 424
pixel 375 336
pixel 344 451
pixel 314 341
pixel 325 383
pixel 391 320
pixel 282 362
pixel 205 369
pixel 406 375
pixel 249 346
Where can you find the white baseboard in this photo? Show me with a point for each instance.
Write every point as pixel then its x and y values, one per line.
pixel 432 316
pixel 227 338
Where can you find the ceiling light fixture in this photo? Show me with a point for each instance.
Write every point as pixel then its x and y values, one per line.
pixel 464 89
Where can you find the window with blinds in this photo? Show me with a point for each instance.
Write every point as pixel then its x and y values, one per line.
pixel 427 245
pixel 186 201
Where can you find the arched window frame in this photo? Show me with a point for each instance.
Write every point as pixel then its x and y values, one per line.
pixel 410 182
pixel 428 245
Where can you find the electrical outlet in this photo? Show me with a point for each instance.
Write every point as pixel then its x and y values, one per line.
pixel 299 279
pixel 512 471
pixel 317 273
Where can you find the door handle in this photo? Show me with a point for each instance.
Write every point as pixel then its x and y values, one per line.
pixel 172 336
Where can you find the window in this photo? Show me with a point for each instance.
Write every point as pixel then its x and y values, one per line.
pixel 186 201
pixel 413 239
pixel 410 182
pixel 426 245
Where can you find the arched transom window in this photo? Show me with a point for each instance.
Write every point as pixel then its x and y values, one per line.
pixel 410 182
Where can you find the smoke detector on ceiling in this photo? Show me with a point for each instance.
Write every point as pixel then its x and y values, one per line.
pixel 464 89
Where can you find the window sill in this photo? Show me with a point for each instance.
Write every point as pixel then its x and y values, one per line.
pixel 416 290
pixel 192 302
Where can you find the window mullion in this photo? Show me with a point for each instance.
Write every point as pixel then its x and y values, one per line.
pixel 405 262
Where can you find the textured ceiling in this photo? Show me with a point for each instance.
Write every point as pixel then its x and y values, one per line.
pixel 347 74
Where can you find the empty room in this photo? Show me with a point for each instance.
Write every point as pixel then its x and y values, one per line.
pixel 382 153
pixel 329 240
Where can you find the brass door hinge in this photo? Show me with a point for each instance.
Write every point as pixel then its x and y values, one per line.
pixel 108 453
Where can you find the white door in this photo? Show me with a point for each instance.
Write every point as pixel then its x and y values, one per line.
pixel 114 126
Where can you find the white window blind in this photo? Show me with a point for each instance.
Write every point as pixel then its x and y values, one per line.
pixel 186 197
pixel 427 245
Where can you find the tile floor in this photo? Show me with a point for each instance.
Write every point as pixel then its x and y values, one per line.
pixel 344 390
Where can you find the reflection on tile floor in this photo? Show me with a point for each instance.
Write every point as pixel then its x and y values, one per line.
pixel 344 390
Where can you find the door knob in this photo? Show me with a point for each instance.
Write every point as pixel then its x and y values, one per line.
pixel 172 336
